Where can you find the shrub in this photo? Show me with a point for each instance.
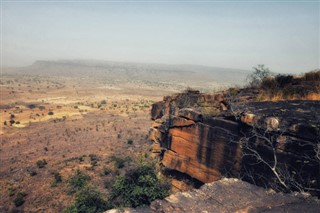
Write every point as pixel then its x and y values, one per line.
pixel 140 186
pixel 106 171
pixel 50 113
pixel 41 163
pixel 81 158
pixel 57 179
pixel 12 122
pixel 120 162
pixel 32 171
pixel 77 181
pixel 19 200
pixel 11 191
pixel 94 159
pixel 260 72
pixel 31 106
pixel 312 76
pixel 129 141
pixel 88 200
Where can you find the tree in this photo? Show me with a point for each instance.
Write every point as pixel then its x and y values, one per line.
pixel 260 72
pixel 263 161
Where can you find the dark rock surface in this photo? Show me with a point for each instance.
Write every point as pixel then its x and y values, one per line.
pixel 270 144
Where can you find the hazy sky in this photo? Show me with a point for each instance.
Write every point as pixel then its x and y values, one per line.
pixel 282 35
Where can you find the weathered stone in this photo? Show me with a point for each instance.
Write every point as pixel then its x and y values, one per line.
pixel 186 165
pixel 221 145
pixel 233 195
pixel 180 122
pixel 229 195
pixel 272 123
pixel 157 110
pixel 190 114
pixel 155 135
pixel 248 118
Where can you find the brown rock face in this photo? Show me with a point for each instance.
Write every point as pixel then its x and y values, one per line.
pixel 272 144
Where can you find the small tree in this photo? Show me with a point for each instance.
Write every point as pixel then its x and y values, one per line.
pixel 260 72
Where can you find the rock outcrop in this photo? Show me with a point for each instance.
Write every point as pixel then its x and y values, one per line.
pixel 273 144
pixel 230 195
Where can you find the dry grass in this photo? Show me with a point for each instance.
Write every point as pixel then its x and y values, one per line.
pixel 288 87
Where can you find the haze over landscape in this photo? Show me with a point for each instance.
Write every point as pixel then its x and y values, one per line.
pixel 283 35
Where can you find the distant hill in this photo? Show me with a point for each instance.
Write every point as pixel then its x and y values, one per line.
pixel 135 71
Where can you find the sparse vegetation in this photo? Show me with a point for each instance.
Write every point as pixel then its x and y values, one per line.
pixel 138 187
pixel 20 199
pixel 57 179
pixel 260 73
pixel 41 163
pixel 94 159
pixel 129 141
pixel 77 182
pixel 120 162
pixel 284 87
pixel 88 200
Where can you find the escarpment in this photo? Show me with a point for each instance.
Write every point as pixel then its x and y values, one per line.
pixel 270 144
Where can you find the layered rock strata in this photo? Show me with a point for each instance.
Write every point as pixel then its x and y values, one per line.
pixel 274 144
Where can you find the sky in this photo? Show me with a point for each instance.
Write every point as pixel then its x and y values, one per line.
pixel 283 35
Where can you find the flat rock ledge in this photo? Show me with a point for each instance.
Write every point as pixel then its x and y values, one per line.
pixel 230 195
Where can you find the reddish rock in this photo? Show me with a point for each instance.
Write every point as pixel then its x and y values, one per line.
pixel 207 148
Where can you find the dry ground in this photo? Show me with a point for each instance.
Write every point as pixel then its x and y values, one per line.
pixel 81 124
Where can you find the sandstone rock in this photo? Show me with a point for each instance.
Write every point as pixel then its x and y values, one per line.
pixel 221 145
pixel 190 114
pixel 233 195
pixel 195 169
pixel 180 122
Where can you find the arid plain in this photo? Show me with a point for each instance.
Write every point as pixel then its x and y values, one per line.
pixel 53 124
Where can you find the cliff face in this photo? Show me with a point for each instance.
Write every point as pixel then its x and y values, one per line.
pixel 274 144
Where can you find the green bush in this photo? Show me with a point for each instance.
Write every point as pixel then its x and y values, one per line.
pixel 88 200
pixel 129 141
pixel 77 182
pixel 138 187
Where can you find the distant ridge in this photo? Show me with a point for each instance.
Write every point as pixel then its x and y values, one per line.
pixel 185 73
